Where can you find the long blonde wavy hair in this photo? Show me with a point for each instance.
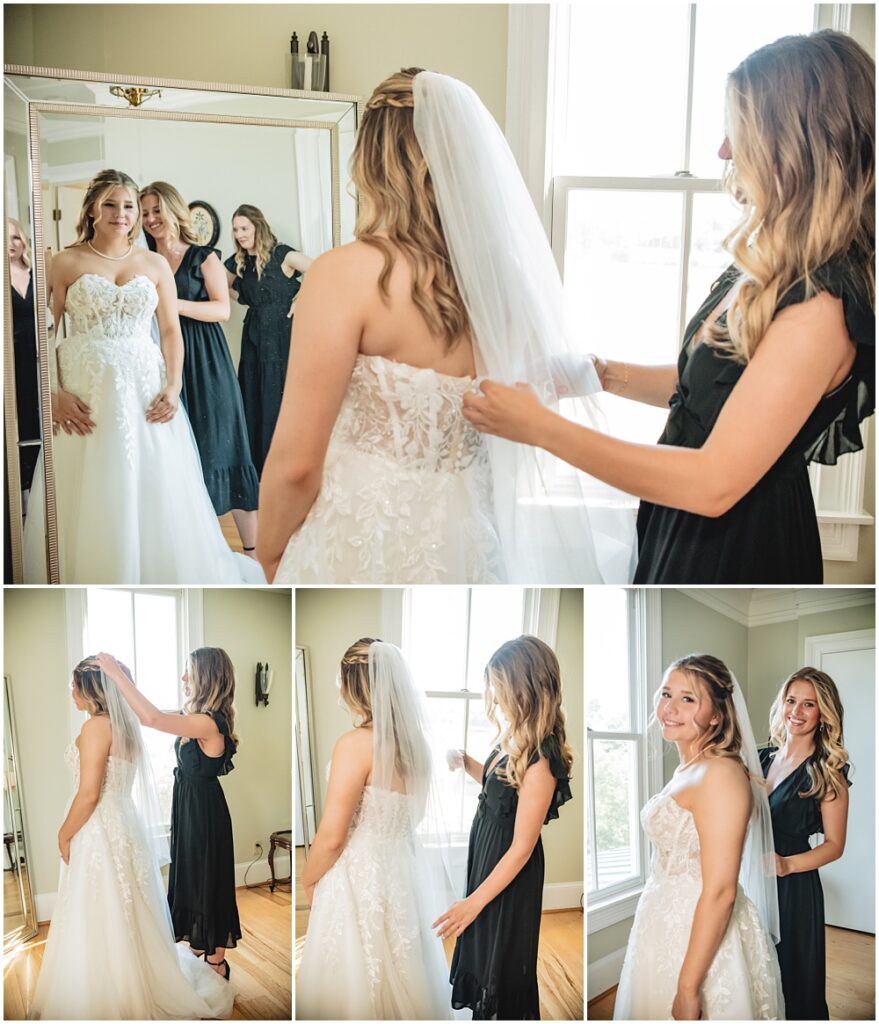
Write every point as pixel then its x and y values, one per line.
pixel 98 189
pixel 825 767
pixel 715 682
pixel 801 126
pixel 173 209
pixel 524 681
pixel 397 199
pixel 264 240
pixel 212 683
pixel 354 679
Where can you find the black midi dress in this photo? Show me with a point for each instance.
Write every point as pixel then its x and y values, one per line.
pixel 212 398
pixel 201 879
pixel 801 953
pixel 27 380
pixel 771 534
pixel 265 344
pixel 494 966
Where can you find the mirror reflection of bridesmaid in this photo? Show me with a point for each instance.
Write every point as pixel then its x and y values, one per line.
pixel 265 275
pixel 806 769
pixel 24 338
pixel 210 392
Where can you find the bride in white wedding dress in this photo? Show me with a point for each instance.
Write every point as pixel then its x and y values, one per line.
pixel 370 952
pixel 701 946
pixel 110 953
pixel 132 504
pixel 374 476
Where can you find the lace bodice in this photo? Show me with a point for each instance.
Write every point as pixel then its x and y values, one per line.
pixel 408 414
pixel 672 831
pixel 381 816
pixel 97 306
pixel 118 778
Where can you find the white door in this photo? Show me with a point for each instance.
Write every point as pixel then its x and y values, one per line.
pixel 849 883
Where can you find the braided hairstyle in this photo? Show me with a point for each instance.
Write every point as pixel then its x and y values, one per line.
pixel 354 679
pixel 397 199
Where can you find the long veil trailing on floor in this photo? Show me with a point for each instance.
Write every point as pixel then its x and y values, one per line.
pixel 556 526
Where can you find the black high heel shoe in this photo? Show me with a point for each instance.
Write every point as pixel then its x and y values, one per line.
pixel 220 963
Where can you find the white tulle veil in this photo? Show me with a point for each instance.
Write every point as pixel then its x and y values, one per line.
pixel 556 526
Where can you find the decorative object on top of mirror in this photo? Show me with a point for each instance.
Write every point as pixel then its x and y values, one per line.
pixel 311 70
pixel 264 679
pixel 205 222
pixel 135 94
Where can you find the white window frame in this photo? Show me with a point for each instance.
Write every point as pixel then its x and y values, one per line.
pixel 617 902
pixel 537 61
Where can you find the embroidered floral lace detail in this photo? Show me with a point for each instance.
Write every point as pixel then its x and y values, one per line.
pixel 109 348
pixel 406 495
pixel 743 980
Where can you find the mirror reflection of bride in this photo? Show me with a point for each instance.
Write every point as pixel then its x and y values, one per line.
pixel 132 504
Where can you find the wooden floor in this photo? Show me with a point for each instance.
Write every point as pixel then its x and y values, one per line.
pixel 260 963
pixel 851 981
pixel 559 960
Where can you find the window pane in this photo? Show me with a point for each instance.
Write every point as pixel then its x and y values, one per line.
pixel 110 625
pixel 725 35
pixel 622 282
pixel 626 90
pixel 714 216
pixel 616 810
pixel 495 617
pixel 447 717
pixel 157 671
pixel 606 647
pixel 437 637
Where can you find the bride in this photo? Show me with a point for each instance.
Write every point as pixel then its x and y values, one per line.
pixel 700 945
pixel 110 954
pixel 374 476
pixel 374 889
pixel 132 504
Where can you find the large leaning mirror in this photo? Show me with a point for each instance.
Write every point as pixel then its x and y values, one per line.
pixel 221 146
pixel 19 913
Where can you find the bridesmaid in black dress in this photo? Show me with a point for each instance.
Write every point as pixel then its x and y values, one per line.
pixel 210 392
pixel 807 774
pixel 264 275
pixel 24 340
pixel 201 880
pixel 497 925
pixel 777 367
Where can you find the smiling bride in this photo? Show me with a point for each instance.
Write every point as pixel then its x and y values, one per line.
pixel 132 503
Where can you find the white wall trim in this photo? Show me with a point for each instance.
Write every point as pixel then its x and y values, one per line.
pixel 563 896
pixel 541 613
pixel 193 605
pixel 763 607
pixel 816 647
pixel 616 909
pixel 733 603
pixel 603 974
pixel 44 902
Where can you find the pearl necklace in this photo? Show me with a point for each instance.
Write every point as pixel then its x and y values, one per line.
pixel 98 252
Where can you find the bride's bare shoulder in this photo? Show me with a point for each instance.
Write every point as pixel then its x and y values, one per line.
pixel 96 732
pixel 724 778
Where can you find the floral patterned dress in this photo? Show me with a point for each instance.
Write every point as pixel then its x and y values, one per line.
pixel 406 495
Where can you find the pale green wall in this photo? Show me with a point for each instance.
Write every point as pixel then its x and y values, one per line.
pixel 251 625
pixel 329 620
pixel 249 43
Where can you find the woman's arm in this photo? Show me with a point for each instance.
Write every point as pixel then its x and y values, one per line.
pixel 721 806
pixel 535 796
pixel 94 749
pixel 163 407
pixel 803 355
pixel 472 767
pixel 327 338
pixel 834 815
pixel 230 280
pixel 196 727
pixel 349 771
pixel 296 262
pixel 217 308
pixel 69 412
pixel 651 385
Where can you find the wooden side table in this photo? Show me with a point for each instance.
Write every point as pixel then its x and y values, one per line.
pixel 283 840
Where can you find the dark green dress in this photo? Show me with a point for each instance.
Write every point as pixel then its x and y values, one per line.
pixel 212 398
pixel 265 344
pixel 771 534
pixel 201 878
pixel 494 967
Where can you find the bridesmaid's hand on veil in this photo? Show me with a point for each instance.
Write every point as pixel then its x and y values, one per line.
pixel 109 666
pixel 515 413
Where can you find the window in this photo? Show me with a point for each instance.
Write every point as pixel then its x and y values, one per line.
pixel 623 761
pixel 147 631
pixel 472 623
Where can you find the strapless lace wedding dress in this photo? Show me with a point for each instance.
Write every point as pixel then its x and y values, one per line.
pixel 743 982
pixel 132 504
pixel 110 953
pixel 370 953
pixel 406 495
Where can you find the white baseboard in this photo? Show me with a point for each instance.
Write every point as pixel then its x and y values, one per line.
pixel 45 905
pixel 563 896
pixel 603 974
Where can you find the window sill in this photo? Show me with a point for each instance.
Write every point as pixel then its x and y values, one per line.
pixel 610 911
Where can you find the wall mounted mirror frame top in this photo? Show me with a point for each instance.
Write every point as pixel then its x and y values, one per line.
pixel 284 151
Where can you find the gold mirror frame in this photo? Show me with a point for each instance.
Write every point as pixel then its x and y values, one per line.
pixel 34 109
